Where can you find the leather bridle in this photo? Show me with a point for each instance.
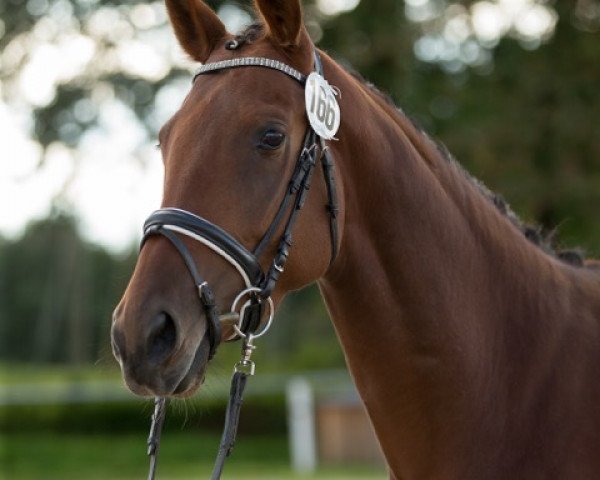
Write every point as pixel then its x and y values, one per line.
pixel 172 223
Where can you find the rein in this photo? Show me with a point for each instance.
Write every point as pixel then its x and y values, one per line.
pixel 171 223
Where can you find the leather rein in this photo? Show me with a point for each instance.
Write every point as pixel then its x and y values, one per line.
pixel 172 223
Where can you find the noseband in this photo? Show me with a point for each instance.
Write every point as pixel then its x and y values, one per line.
pixel 172 223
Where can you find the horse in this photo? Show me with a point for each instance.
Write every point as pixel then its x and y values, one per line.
pixel 475 349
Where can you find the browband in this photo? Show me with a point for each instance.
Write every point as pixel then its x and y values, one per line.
pixel 252 62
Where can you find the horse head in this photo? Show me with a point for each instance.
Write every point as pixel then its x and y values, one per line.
pixel 229 153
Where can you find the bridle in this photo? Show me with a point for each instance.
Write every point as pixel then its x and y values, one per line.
pixel 172 223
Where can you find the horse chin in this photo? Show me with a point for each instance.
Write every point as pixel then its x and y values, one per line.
pixel 195 375
pixel 179 382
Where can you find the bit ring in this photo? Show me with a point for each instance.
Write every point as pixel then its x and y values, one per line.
pixel 238 326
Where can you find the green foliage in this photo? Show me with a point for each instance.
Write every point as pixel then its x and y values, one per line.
pixel 102 456
pixel 529 131
pixel 58 293
pixel 183 456
pixel 28 23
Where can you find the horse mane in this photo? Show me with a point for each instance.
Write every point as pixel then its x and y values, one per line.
pixel 536 234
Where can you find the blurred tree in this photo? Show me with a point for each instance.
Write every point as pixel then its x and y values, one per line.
pixel 57 294
pixel 88 51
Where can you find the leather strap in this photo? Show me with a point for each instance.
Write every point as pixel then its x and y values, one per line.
pixel 158 418
pixel 205 294
pixel 293 187
pixel 232 417
pixel 298 187
pixel 211 232
pixel 332 201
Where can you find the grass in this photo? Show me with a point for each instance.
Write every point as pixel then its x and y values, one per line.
pixel 106 440
pixel 183 456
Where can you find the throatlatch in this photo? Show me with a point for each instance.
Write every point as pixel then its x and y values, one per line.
pixel 170 223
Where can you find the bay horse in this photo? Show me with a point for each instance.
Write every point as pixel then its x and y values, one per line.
pixel 475 350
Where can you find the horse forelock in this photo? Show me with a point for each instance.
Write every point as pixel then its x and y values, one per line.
pixel 251 33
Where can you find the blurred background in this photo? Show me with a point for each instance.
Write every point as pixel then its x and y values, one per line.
pixel 511 87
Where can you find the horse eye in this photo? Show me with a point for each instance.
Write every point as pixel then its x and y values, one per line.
pixel 272 139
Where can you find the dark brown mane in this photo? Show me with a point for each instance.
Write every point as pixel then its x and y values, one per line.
pixel 536 234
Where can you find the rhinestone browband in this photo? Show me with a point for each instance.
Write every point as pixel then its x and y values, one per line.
pixel 252 62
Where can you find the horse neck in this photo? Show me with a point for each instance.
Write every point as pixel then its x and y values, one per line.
pixel 431 283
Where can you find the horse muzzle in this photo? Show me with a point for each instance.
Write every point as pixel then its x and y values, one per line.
pixel 159 359
pixel 163 346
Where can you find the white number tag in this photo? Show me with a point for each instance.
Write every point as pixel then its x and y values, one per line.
pixel 321 106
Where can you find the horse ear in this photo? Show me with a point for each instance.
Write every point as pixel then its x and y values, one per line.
pixel 196 26
pixel 284 20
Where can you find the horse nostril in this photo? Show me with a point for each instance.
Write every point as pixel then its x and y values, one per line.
pixel 162 335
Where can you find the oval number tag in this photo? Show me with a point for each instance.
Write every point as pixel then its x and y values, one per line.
pixel 321 106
